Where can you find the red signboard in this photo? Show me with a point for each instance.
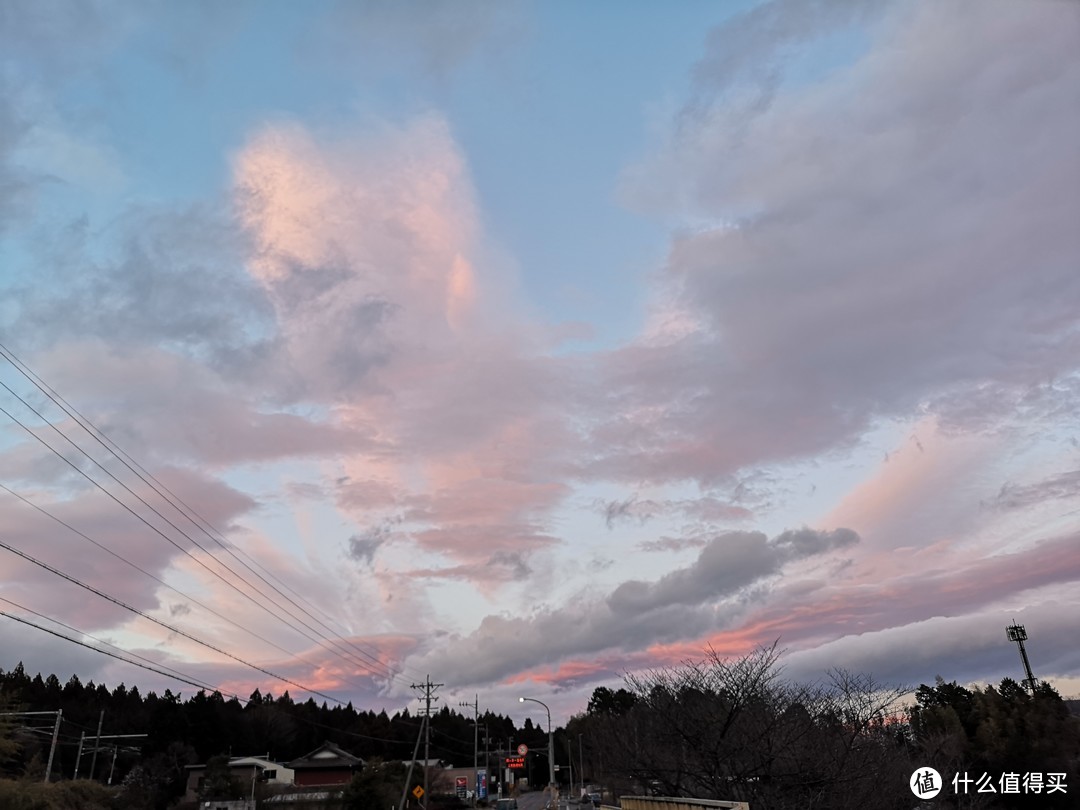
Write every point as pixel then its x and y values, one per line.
pixel 517 763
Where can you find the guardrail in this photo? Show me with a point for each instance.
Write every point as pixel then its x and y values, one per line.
pixel 676 803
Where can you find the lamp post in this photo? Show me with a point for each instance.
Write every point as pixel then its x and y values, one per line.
pixel 551 744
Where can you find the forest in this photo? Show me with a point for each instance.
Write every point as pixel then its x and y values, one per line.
pixel 718 728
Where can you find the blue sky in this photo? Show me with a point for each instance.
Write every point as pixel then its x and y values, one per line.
pixel 542 342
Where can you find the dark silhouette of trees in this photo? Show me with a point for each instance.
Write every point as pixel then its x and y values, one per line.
pixel 995 731
pixel 734 729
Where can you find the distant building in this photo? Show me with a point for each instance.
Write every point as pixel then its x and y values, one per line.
pixel 326 765
pixel 245 770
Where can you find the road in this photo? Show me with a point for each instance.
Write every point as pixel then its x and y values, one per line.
pixel 537 800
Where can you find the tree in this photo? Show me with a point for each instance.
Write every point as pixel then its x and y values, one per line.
pixel 8 745
pixel 733 729
pixel 998 730
pixel 378 785
pixel 219 782
pixel 605 701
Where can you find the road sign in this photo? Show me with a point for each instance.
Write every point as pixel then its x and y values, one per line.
pixel 417 791
pixel 517 763
pixel 523 749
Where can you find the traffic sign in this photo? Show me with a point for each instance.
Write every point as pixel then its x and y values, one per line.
pixel 523 749
pixel 417 791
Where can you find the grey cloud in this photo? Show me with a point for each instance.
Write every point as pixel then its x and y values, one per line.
pixel 362 547
pixel 684 604
pixel 725 565
pixel 708 509
pixel 1058 487
pixel 964 649
pixel 899 231
pixel 672 544
pixel 178 281
pixel 515 561
pixel 750 47
pixel 800 543
pixel 615 511
pixel 130 542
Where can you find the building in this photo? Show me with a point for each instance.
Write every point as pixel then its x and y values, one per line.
pixel 246 771
pixel 326 765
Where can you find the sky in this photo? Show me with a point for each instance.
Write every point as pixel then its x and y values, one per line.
pixel 523 345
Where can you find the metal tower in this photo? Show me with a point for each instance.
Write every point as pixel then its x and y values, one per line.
pixel 1017 633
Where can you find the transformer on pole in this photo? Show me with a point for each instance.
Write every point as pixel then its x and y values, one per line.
pixel 1017 633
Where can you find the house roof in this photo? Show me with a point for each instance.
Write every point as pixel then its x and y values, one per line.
pixel 326 755
pixel 242 762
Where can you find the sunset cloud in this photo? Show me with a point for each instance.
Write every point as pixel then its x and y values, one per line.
pixel 724 327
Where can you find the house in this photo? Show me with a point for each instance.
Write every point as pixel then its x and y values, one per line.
pixel 246 771
pixel 326 765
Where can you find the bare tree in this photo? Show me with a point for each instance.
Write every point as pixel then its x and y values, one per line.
pixel 733 728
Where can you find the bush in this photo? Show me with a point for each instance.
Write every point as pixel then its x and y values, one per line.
pixel 79 795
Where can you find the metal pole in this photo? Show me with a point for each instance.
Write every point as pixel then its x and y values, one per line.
pixel 551 749
pixel 52 748
pixel 97 742
pixel 78 757
pixel 581 763
pixel 570 761
pixel 113 766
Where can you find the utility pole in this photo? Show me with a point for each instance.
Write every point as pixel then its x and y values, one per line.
pixel 581 764
pixel 475 745
pixel 487 758
pixel 78 757
pixel 1017 633
pixel 412 763
pixel 55 735
pixel 570 761
pixel 112 768
pixel 429 695
pixel 97 742
pixel 52 748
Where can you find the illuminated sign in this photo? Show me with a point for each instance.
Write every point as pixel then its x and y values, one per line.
pixel 516 763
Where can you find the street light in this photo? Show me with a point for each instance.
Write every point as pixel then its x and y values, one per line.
pixel 551 743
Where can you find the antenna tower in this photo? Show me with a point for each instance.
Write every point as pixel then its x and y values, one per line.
pixel 1017 633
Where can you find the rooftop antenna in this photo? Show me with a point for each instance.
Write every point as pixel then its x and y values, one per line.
pixel 1017 633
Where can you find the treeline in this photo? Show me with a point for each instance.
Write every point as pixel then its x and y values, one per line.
pixel 183 730
pixel 734 729
pixel 718 728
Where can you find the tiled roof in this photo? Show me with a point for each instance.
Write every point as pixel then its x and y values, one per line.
pixel 326 755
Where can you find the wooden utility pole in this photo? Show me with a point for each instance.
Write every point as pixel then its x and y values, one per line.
pixel 429 695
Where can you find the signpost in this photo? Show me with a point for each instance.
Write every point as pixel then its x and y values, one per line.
pixel 481 784
pixel 418 792
pixel 523 749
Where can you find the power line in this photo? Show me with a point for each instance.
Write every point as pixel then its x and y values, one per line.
pixel 166 625
pixel 318 640
pixel 175 674
pixel 103 652
pixel 128 562
pixel 114 449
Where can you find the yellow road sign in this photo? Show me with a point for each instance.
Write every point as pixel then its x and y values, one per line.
pixel 418 791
